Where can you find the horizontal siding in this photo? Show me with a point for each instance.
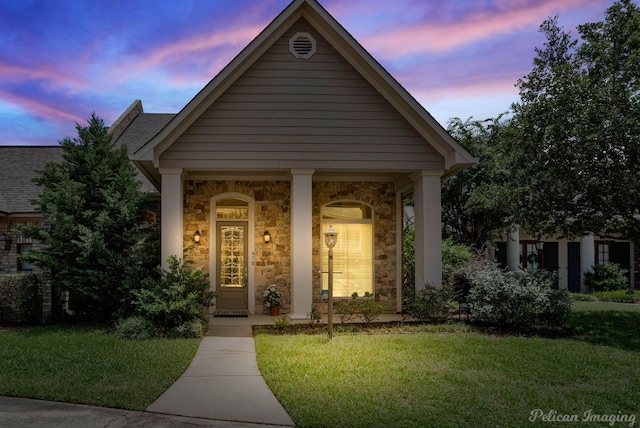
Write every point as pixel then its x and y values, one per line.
pixel 290 113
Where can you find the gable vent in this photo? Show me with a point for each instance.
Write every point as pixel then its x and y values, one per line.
pixel 302 45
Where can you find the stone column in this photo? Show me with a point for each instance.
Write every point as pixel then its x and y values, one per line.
pixel 172 230
pixel 513 249
pixel 428 233
pixel 587 257
pixel 301 243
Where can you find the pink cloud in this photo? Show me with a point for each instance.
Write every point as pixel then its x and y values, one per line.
pixel 36 108
pixel 475 89
pixel 188 48
pixel 442 36
pixel 58 78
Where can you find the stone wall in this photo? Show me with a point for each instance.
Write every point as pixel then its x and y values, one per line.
pixel 9 258
pixel 272 202
pixel 271 213
pixel 382 197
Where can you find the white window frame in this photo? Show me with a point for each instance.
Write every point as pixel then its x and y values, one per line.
pixel 324 225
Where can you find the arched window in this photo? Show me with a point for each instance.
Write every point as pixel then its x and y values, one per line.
pixel 353 253
pixel 232 209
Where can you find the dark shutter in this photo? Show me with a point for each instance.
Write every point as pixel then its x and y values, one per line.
pixel 574 267
pixel 550 258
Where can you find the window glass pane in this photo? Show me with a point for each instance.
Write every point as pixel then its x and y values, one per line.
pixel 346 211
pixel 353 257
pixel 603 254
pixel 232 209
pixel 24 249
pixel 532 256
pixel 232 263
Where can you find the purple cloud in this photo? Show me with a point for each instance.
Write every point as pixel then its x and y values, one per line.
pixel 60 61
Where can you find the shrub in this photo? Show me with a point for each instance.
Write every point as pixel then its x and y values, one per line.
pixel 347 310
pixel 20 293
pixel 369 309
pixel 178 297
pixel 606 278
pixel 136 328
pixel 515 300
pixel 314 315
pixel 461 277
pixel 188 330
pixel 280 323
pixel 431 304
pixel 454 256
pixel 408 261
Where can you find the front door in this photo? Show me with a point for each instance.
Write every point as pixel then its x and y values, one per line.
pixel 232 269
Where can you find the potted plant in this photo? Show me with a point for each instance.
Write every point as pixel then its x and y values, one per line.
pixel 272 300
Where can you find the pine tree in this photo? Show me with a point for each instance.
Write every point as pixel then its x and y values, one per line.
pixel 94 209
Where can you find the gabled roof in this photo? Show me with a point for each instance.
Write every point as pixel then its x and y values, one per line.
pixel 456 157
pixel 18 166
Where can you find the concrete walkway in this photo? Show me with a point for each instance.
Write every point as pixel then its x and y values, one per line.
pixel 223 383
pixel 221 388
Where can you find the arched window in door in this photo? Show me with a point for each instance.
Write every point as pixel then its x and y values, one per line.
pixel 353 253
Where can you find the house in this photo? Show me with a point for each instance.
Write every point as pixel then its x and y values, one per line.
pixel 301 131
pixel 18 166
pixel 571 258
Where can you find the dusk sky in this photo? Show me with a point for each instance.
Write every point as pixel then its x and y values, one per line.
pixel 61 60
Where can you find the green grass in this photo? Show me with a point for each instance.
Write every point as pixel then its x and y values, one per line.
pixel 89 365
pixel 457 378
pixel 616 296
pixel 609 324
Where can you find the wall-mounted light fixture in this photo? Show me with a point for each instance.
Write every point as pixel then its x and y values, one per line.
pixel 196 237
pixel 266 237
pixel 5 242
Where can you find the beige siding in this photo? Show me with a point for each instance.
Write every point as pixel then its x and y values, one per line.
pixel 292 113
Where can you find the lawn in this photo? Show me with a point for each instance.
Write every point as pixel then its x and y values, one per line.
pixel 89 365
pixel 460 378
pixel 436 376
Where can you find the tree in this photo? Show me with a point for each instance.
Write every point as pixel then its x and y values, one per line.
pixel 475 202
pixel 573 139
pixel 95 211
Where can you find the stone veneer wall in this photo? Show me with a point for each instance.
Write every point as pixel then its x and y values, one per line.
pixel 382 197
pixel 272 202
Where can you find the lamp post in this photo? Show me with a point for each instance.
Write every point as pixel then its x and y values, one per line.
pixel 330 239
pixel 539 248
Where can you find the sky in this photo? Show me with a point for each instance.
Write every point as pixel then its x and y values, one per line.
pixel 62 60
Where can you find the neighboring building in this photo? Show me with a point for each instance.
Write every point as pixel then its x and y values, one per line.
pixel 570 258
pixel 18 166
pixel 302 130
